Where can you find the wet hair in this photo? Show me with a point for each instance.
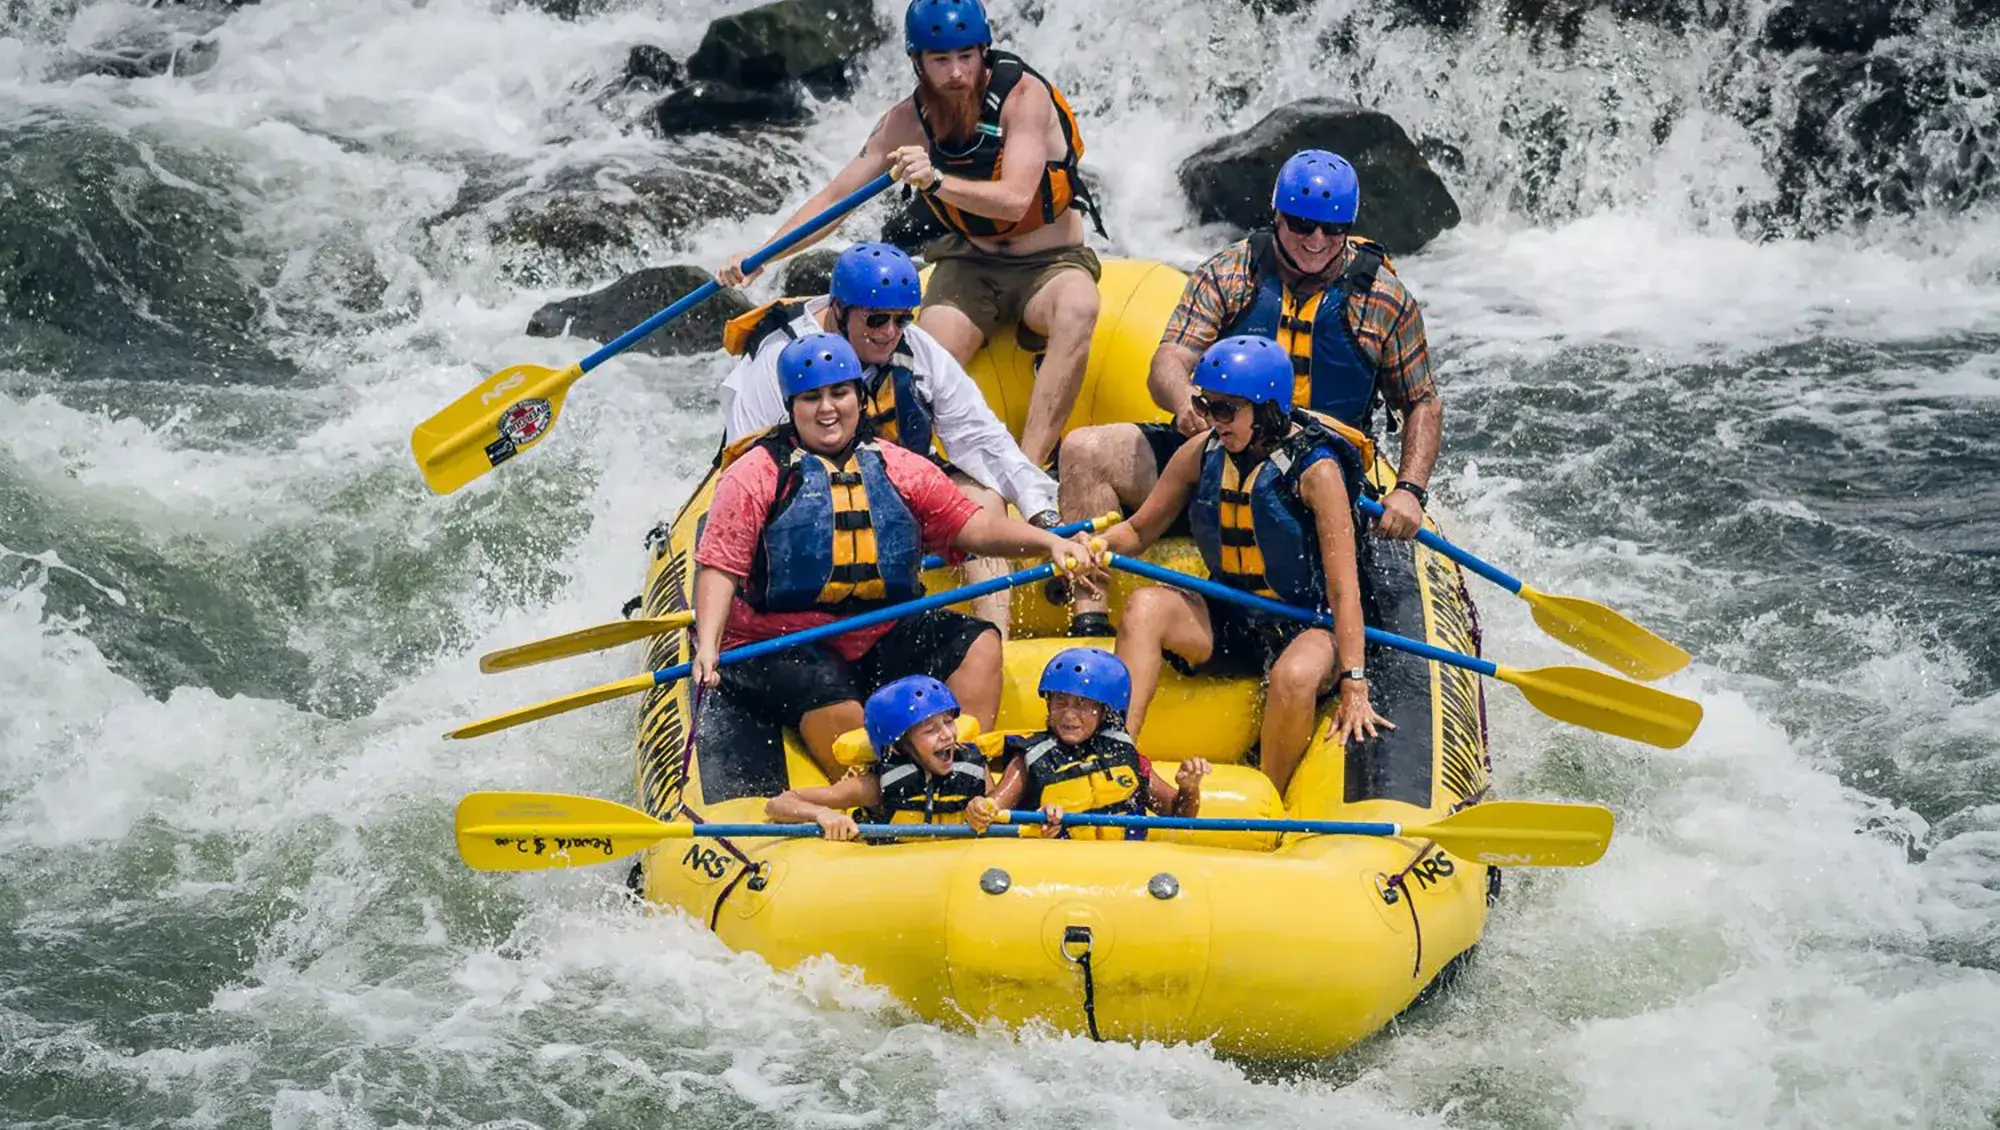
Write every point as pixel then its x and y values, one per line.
pixel 1268 422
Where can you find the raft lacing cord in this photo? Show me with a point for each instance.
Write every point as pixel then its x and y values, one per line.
pixel 1081 935
pixel 1396 882
pixel 749 868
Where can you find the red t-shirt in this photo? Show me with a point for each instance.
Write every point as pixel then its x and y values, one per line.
pixel 735 525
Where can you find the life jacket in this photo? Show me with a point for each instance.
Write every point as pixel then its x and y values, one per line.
pixel 838 537
pixel 910 795
pixel 896 404
pixel 1101 775
pixel 1062 185
pixel 1330 373
pixel 1254 530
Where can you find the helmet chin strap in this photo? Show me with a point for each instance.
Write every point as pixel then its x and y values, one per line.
pixel 1278 242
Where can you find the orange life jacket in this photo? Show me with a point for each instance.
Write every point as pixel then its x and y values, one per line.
pixel 1062 185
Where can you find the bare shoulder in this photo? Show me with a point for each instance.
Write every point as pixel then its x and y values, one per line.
pixel 898 126
pixel 1030 101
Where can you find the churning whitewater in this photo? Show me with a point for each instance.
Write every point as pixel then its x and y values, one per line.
pixel 234 623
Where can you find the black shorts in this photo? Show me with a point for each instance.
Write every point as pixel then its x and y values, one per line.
pixel 1246 642
pixel 790 684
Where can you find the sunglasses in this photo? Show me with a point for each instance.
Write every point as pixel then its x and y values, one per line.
pixel 1299 225
pixel 1221 411
pixel 877 320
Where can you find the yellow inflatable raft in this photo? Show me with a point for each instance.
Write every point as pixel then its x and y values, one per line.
pixel 1267 948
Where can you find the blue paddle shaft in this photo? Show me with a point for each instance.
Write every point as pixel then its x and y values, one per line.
pixel 1062 531
pixel 865 620
pixel 1256 603
pixel 868 831
pixel 1199 824
pixel 1506 581
pixel 771 251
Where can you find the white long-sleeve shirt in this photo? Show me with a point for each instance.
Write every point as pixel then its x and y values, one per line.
pixel 974 439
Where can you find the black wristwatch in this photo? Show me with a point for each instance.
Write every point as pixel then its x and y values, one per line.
pixel 1423 496
pixel 1358 674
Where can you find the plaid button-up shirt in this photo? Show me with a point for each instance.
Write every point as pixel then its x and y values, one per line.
pixel 1387 320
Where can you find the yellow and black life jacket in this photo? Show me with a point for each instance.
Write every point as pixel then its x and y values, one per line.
pixel 838 537
pixel 910 795
pixel 1101 775
pixel 1254 530
pixel 1331 373
pixel 1062 185
pixel 896 408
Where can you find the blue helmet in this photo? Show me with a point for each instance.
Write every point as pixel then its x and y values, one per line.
pixel 945 25
pixel 892 710
pixel 878 276
pixel 816 361
pixel 1087 672
pixel 1254 368
pixel 1317 185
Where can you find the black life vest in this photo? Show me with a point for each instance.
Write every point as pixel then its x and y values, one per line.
pixel 910 795
pixel 1062 184
pixel 1101 775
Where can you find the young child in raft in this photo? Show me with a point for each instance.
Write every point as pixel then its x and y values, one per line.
pixel 922 773
pixel 1085 761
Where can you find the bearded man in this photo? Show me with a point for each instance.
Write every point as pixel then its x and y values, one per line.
pixel 993 148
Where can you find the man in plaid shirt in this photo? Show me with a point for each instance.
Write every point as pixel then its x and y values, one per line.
pixel 1355 333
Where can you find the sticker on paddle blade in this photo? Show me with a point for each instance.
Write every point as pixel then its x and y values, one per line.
pixel 521 424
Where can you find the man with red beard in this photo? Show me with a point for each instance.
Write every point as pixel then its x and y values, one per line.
pixel 993 148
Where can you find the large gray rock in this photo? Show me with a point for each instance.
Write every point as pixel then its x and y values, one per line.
pixel 604 314
pixel 811 42
pixel 595 218
pixel 1404 204
pixel 809 273
pixel 708 105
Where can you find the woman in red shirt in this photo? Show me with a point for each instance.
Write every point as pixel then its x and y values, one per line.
pixel 817 521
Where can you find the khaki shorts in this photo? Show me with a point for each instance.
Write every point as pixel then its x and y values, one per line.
pixel 993 290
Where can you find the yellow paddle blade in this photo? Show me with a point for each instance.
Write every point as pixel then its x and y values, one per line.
pixel 583 641
pixel 552 707
pixel 1606 703
pixel 505 415
pixel 1523 833
pixel 1604 635
pixel 537 831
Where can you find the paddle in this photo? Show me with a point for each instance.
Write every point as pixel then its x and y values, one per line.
pixel 538 831
pixel 500 831
pixel 1589 627
pixel 638 683
pixel 513 409
pixel 586 640
pixel 1577 695
pixel 1516 833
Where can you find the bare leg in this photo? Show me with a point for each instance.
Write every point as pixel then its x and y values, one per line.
pixel 1159 619
pixel 1065 312
pixel 1106 467
pixel 996 608
pixel 820 727
pixel 953 330
pixel 1302 673
pixel 976 683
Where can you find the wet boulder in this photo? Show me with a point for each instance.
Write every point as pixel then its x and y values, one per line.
pixel 809 273
pixel 812 43
pixel 709 105
pixel 1404 203
pixel 604 314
